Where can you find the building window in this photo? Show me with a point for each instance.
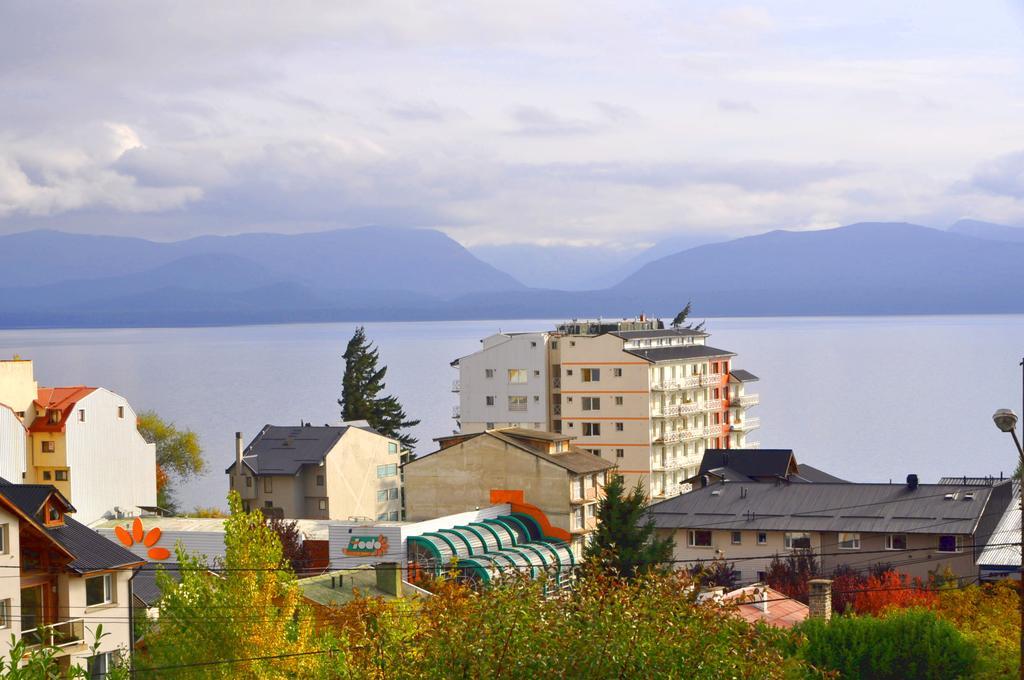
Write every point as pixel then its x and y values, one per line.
pixel 896 542
pixel 393 516
pixel 577 517
pixel 736 538
pixel 53 417
pixel 120 412
pixel 323 504
pixel 47 476
pixel 797 540
pixel 699 538
pixel 591 429
pixel 319 480
pixel 99 666
pixel 382 496
pixel 268 504
pixel 60 475
pixel 849 541
pixel 268 485
pixel 392 447
pixel 99 590
pixel 489 426
pixel 617 372
pixel 48 446
pixel 489 401
pixel 591 374
pixel 554 344
pixel 568 371
pixel 248 482
pixel 591 403
pixel 619 427
pixel 951 544
pixel 596 452
pixel 762 538
pixel 4 529
pixel 5 613
pixel 620 453
pixel 618 401
pixel 516 376
pixel 393 493
pixel 488 372
pixel 382 517
pixel 81 415
pixel 389 470
pixel 516 403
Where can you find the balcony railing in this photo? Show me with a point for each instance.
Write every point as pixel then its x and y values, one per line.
pixel 588 496
pixel 713 430
pixel 713 405
pixel 556 382
pixel 678 436
pixel 589 524
pixel 752 445
pixel 746 425
pixel 63 634
pixel 456 386
pixel 680 384
pixel 456 413
pixel 711 379
pixel 676 410
pixel 745 400
pixel 556 409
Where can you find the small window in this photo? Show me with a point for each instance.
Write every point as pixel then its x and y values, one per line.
pixel 568 371
pixel 591 375
pixel 591 403
pixel 489 426
pixel 53 417
pixel 736 538
pixel 392 447
pixel 489 401
pixel 268 485
pixel 47 476
pixel 5 613
pixel 319 480
pixel 268 504
pixel 389 470
pixel 620 453
pixel 393 516
pixel 488 372
pixel 120 412
pixel 53 515
pixel 591 429
pixel 99 590
pixel 248 482
pixel 323 504
pixel 699 538
pixel 618 401
pixel 393 493
pixel 617 372
pixel 849 541
pixel 536 374
pixel 533 343
pixel 4 529
pixel 896 542
pixel 554 344
pixel 951 544
pixel 382 496
pixel 516 376
pixel 797 540
pixel 81 415
pixel 596 452
pixel 517 403
pixel 100 665
pixel 382 517
pixel 60 475
pixel 619 427
pixel 48 446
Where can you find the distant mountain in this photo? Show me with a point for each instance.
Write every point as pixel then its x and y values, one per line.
pixel 988 230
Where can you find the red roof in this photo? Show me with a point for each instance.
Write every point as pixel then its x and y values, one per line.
pixel 61 399
pixel 783 612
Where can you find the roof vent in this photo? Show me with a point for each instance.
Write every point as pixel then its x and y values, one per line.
pixel 911 482
pixel 704 480
pixel 969 496
pixel 716 492
pixel 950 496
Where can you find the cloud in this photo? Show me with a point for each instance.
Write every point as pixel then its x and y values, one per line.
pixel 736 106
pixel 534 121
pixel 1002 176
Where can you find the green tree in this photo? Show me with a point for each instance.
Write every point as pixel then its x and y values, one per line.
pixel 624 543
pixel 249 606
pixel 361 388
pixel 683 315
pixel 179 457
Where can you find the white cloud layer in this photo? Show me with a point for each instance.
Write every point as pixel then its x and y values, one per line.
pixel 539 122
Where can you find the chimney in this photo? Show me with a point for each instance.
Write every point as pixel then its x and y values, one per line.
pixel 238 453
pixel 763 604
pixel 704 480
pixel 911 482
pixel 819 598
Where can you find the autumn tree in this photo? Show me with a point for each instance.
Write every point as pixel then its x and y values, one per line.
pixel 624 543
pixel 789 575
pixel 361 389
pixel 892 590
pixel 179 457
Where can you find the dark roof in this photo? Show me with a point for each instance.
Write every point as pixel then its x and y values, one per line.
pixel 816 475
pixel 658 333
pixel 767 506
pixel 740 375
pixel 676 353
pixel 89 550
pixel 144 586
pixel 278 450
pixel 748 463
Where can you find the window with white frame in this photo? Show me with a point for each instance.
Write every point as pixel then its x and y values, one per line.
pixel 896 542
pixel 699 538
pixel 951 543
pixel 577 518
pixel 389 470
pixel 4 538
pixel 591 429
pixel 100 665
pixel 849 541
pixel 591 403
pixel 517 403
pixel 99 590
pixel 590 374
pixel 517 376
pixel 393 516
pixel 797 540
pixel 322 504
pixel 5 613
pixel 736 538
pixel 762 537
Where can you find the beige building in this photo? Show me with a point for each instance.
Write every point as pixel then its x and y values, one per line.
pixel 650 400
pixel 468 470
pixel 334 472
pixel 64 581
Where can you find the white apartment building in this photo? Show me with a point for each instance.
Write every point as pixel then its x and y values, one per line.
pixel 83 440
pixel 646 398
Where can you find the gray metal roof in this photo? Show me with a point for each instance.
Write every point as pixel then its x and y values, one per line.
pixel 680 352
pixel 973 481
pixel 810 473
pixel 659 333
pixel 1002 547
pixel 879 508
pixel 740 375
pixel 144 586
pixel 279 450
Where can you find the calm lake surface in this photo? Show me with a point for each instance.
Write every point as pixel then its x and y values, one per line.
pixel 866 398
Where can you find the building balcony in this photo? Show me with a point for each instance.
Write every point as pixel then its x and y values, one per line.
pixel 675 410
pixel 456 386
pixel 714 430
pixel 456 412
pixel 711 379
pixel 589 496
pixel 556 409
pixel 680 384
pixel 667 465
pixel 589 524
pixel 61 634
pixel 752 445
pixel 745 400
pixel 556 382
pixel 745 425
pixel 678 436
pixel 713 405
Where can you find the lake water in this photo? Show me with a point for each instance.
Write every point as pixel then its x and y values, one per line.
pixel 866 398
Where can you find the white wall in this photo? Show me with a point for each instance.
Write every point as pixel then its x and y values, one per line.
pixel 13 446
pixel 10 584
pixel 111 464
pixel 502 352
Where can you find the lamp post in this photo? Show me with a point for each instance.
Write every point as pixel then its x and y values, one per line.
pixel 1006 421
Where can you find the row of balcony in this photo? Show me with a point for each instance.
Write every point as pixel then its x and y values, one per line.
pixel 689 382
pixel 589 495
pixel 745 425
pixel 689 435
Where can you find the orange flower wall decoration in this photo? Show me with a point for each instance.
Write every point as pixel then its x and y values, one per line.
pixel 140 535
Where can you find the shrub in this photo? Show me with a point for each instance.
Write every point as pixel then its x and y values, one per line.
pixel 989 616
pixel 891 590
pixel 912 643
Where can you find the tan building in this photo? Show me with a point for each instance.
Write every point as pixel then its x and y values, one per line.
pixel 913 528
pixel 564 482
pixel 334 472
pixel 649 399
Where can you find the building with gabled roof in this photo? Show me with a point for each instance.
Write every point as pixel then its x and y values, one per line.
pixel 65 579
pixel 755 465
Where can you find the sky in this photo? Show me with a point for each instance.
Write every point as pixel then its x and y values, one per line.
pixel 589 123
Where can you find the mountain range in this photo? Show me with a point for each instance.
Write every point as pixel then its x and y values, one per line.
pixel 54 279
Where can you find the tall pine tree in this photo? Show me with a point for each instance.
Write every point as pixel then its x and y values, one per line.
pixel 624 543
pixel 361 387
